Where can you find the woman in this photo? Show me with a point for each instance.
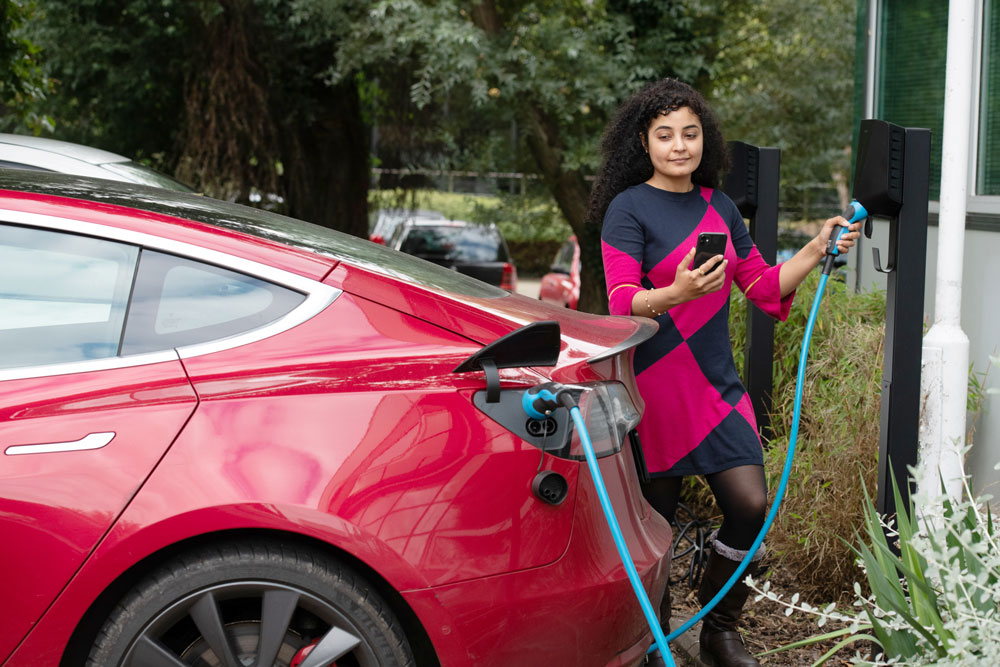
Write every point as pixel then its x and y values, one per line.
pixel 656 191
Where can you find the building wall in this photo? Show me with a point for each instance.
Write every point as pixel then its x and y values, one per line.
pixel 980 322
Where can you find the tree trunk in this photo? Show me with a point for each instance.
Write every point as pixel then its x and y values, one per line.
pixel 326 164
pixel 571 194
pixel 568 187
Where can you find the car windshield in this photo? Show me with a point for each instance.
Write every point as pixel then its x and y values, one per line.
pixel 456 243
pixel 564 258
pixel 256 222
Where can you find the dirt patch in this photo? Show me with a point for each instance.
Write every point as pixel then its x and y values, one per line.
pixel 764 625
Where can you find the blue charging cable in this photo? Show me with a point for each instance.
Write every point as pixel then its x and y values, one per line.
pixel 537 403
pixel 541 400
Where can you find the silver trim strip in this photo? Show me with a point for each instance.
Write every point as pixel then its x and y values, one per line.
pixel 89 366
pixel 91 441
pixel 318 295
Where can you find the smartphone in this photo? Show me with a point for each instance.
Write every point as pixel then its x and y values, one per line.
pixel 709 245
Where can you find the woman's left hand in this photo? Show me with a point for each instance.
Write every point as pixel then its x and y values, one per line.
pixel 846 240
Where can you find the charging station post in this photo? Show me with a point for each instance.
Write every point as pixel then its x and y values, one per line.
pixel 892 173
pixel 752 184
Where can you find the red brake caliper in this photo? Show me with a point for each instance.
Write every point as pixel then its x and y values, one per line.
pixel 303 652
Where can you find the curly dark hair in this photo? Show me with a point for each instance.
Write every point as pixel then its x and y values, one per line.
pixel 625 161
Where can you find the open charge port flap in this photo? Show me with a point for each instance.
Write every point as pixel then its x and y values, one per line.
pixel 552 435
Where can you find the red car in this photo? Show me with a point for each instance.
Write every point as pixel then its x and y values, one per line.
pixel 232 438
pixel 561 286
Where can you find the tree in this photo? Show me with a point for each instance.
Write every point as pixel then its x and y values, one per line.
pixel 555 68
pixel 784 78
pixel 223 93
pixel 22 83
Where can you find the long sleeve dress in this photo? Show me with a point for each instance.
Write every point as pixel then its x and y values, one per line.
pixel 698 417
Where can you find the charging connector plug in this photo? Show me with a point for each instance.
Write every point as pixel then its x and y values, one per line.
pixel 854 212
pixel 543 399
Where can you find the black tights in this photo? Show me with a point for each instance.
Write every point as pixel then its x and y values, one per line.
pixel 740 492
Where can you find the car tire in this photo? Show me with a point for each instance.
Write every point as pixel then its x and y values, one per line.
pixel 227 604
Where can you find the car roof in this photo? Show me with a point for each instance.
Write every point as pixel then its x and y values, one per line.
pixel 300 236
pixel 65 148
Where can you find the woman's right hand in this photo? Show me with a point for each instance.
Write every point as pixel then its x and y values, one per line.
pixel 693 283
pixel 688 285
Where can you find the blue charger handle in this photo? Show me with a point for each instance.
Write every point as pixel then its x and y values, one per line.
pixel 542 399
pixel 853 213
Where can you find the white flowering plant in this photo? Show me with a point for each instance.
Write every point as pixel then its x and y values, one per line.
pixel 935 599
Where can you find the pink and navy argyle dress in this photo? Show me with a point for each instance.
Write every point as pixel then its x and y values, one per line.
pixel 698 417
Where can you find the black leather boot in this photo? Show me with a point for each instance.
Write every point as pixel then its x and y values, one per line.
pixel 720 643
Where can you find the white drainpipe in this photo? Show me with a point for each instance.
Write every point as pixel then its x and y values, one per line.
pixel 945 362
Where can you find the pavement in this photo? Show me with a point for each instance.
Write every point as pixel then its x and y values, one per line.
pixel 529 287
pixel 685 648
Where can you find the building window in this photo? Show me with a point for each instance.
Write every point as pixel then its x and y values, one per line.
pixel 988 158
pixel 912 53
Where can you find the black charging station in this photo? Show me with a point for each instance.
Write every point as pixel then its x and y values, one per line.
pixel 891 178
pixel 752 184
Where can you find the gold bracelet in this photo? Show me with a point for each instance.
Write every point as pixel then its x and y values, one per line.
pixel 651 309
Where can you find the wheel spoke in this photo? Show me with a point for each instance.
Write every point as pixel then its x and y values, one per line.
pixel 205 614
pixel 149 653
pixel 335 644
pixel 277 609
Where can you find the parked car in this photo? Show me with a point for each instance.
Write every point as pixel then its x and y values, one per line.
pixel 475 250
pixel 41 154
pixel 561 285
pixel 387 219
pixel 234 438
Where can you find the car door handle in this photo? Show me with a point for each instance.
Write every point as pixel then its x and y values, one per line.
pixel 91 441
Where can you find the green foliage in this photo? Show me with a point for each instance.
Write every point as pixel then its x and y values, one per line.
pixel 575 60
pixel 935 598
pixel 450 204
pixel 119 67
pixel 23 84
pixel 784 78
pixel 533 227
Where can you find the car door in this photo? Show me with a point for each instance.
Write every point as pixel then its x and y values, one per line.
pixel 81 427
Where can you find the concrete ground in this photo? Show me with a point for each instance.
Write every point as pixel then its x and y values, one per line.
pixel 684 649
pixel 528 287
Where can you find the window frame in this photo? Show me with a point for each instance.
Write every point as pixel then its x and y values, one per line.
pixel 317 295
pixel 977 203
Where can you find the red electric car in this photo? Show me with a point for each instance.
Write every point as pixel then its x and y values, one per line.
pixel 232 438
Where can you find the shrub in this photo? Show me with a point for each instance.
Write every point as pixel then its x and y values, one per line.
pixel 936 601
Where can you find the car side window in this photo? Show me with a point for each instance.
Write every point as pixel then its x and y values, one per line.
pixel 63 296
pixel 178 302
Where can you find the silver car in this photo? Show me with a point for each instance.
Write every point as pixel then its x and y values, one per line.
pixel 40 154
